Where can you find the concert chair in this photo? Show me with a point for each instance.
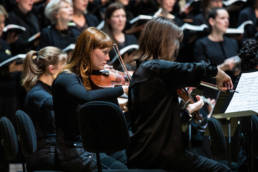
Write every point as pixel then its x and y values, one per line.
pixel 103 129
pixel 218 141
pixel 9 143
pixel 27 137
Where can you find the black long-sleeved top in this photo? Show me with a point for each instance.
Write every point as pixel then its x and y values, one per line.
pixel 39 105
pixel 68 94
pixel 91 21
pixel 215 52
pixel 157 138
pixel 5 50
pixel 30 22
pixel 129 40
pixel 50 36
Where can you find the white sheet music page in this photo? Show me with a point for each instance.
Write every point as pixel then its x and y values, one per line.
pixel 247 96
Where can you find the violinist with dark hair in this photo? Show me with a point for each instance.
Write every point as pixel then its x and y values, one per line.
pixel 157 140
pixel 74 87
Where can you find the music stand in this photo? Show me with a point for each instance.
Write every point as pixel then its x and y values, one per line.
pixel 228 117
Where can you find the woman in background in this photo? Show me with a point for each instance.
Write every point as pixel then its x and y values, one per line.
pixel 59 34
pixel 216 47
pixel 11 92
pixel 115 21
pixel 40 69
pixel 81 17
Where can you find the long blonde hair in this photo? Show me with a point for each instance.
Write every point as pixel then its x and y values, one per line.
pixel 36 63
pixel 80 63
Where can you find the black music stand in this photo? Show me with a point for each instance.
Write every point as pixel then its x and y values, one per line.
pixel 234 115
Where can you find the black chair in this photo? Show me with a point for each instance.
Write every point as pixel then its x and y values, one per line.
pixel 103 129
pixel 27 136
pixel 218 141
pixel 26 133
pixel 9 143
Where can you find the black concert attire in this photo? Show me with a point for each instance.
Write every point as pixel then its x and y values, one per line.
pixel 30 22
pixel 11 92
pixel 215 53
pixel 39 10
pixel 50 36
pixel 129 40
pixel 90 21
pixel 68 94
pixel 39 106
pixel 199 19
pixel 8 4
pixel 157 140
pixel 246 14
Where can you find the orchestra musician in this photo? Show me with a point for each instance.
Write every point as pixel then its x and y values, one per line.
pixel 40 69
pixel 157 140
pixel 74 87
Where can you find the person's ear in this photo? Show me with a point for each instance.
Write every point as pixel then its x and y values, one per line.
pixel 51 69
pixel 211 21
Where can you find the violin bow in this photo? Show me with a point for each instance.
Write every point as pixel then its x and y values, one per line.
pixel 122 62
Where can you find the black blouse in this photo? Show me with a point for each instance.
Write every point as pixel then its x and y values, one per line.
pixel 215 52
pixel 39 105
pixel 68 94
pixel 157 134
pixel 50 36
pixel 30 22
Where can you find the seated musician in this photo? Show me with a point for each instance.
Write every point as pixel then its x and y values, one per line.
pixel 40 69
pixel 157 140
pixel 73 87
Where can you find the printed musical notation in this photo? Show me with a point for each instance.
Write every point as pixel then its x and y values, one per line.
pixel 247 98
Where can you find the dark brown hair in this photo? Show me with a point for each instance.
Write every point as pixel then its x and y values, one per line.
pixel 108 14
pixel 159 38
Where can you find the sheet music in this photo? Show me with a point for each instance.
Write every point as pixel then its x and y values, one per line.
pixel 247 98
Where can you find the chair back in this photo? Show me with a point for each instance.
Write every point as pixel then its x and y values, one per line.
pixel 103 127
pixel 9 141
pixel 26 133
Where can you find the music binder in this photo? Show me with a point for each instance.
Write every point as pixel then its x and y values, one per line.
pixel 231 2
pixel 9 60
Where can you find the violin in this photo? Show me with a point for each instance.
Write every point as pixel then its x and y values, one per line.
pixel 187 98
pixel 109 77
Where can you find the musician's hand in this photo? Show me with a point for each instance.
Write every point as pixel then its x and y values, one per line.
pixel 13 67
pixel 11 37
pixel 230 63
pixel 125 88
pixel 223 81
pixel 195 106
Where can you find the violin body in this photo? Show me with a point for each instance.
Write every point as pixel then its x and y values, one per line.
pixel 108 78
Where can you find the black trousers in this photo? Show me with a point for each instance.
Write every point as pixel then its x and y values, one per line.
pixel 192 162
pixel 75 158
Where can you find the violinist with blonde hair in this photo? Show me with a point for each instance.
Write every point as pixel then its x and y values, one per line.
pixel 74 87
